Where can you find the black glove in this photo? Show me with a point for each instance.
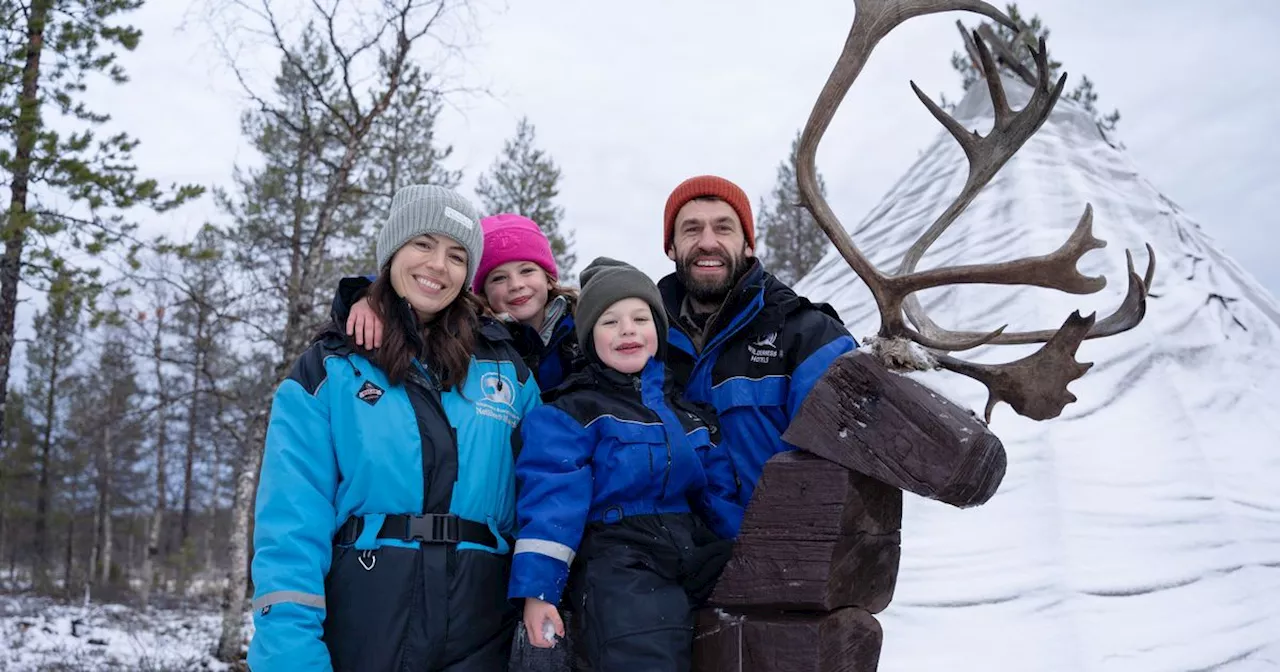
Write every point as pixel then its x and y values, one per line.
pixel 705 568
pixel 526 657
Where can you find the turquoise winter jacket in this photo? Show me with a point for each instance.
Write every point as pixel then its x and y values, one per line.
pixel 343 441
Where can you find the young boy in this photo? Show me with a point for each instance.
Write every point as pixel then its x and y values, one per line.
pixel 618 471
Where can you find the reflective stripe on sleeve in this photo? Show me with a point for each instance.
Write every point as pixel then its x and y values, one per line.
pixel 297 597
pixel 550 549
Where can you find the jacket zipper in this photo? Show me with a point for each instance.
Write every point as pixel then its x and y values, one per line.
pixel 666 474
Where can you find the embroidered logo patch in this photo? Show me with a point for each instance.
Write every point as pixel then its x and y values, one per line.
pixel 370 393
pixel 765 349
pixel 499 399
pixel 497 388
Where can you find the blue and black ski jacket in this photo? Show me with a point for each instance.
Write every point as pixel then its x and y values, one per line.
pixel 604 447
pixel 763 352
pixel 556 359
pixel 348 457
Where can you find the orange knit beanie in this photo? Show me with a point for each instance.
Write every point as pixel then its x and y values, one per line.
pixel 708 185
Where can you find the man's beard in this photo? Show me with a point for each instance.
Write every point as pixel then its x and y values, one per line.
pixel 705 290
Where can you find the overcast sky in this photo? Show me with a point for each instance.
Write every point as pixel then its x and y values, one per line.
pixel 631 98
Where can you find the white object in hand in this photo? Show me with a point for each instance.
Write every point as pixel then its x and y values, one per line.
pixel 549 631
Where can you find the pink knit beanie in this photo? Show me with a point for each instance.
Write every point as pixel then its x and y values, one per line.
pixel 509 237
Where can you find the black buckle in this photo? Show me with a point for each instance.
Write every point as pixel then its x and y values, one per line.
pixel 434 528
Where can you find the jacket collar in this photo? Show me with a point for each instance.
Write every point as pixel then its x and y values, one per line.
pixel 753 281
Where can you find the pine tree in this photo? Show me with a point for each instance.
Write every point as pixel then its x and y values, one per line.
pixel 50 51
pixel 103 429
pixel 207 313
pixel 19 462
pixel 1030 36
pixel 788 239
pixel 524 180
pixel 206 300
pixel 50 362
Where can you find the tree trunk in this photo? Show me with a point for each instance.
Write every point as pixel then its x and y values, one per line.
pixel 4 519
pixel 162 439
pixel 215 487
pixel 104 557
pixel 15 224
pixel 95 546
pixel 130 549
pixel 42 486
pixel 152 550
pixel 70 558
pixel 233 599
pixel 193 416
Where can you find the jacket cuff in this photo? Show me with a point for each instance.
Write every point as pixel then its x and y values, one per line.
pixel 534 575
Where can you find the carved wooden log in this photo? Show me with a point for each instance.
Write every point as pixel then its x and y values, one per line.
pixel 887 426
pixel 846 640
pixel 815 537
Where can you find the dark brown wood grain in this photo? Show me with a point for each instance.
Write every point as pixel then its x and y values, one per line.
pixel 894 429
pixel 806 496
pixel 814 575
pixel 846 640
pixel 815 537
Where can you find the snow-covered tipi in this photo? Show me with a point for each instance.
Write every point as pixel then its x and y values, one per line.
pixel 1140 530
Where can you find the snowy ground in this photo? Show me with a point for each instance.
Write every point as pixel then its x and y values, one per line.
pixel 41 634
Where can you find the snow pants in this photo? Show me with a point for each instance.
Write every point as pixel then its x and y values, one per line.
pixel 431 609
pixel 636 586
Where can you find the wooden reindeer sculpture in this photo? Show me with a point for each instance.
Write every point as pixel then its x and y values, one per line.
pixel 819 548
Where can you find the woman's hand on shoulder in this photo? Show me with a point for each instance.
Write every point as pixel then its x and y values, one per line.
pixel 542 622
pixel 364 326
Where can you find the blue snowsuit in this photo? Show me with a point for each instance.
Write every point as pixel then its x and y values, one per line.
pixel 384 514
pixel 619 468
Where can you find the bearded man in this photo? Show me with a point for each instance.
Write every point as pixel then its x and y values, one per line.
pixel 740 340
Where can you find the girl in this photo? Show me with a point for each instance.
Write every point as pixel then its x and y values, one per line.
pixel 517 277
pixel 387 490
pixel 618 471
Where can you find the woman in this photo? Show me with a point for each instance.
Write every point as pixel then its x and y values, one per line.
pixel 386 501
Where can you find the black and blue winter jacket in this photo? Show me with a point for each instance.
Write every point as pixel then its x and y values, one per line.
pixel 763 352
pixel 344 442
pixel 606 446
pixel 556 359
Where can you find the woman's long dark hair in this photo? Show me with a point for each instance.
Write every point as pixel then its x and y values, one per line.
pixel 447 342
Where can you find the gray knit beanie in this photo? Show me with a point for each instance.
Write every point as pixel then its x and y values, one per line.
pixel 606 281
pixel 427 209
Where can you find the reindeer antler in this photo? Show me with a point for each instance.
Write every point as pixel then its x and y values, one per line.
pixel 1034 386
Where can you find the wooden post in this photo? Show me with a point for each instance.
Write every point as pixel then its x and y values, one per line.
pixel 816 537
